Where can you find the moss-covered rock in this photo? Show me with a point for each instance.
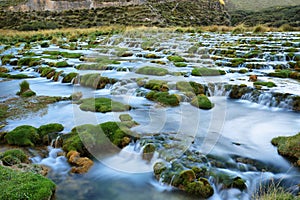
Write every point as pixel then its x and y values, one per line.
pixel 180 64
pixel 147 70
pixel 148 151
pixel 237 91
pixel 13 156
pixel 63 54
pixel 69 77
pixel 157 85
pixel 61 64
pixel 29 61
pixel 200 188
pixel 204 71
pixel 202 101
pixel 49 129
pixel 102 105
pixel 151 55
pixel 125 118
pixel 23 136
pixel 158 169
pixel 95 81
pixel 289 147
pixel 191 86
pixel 164 98
pixel 267 84
pixel 176 59
pixel 17 185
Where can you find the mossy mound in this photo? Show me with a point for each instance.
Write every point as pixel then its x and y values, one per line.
pixel 63 54
pixel 14 76
pixel 13 156
pixel 289 147
pixel 49 129
pixel 148 151
pixel 202 101
pixel 6 58
pixel 17 185
pixel 207 72
pixel 176 59
pixel 69 77
pixel 285 73
pixel 267 84
pixel 164 98
pixel 125 117
pixel 191 86
pixel 180 64
pixel 95 81
pixel 61 64
pixel 200 188
pixel 29 61
pixel 147 70
pixel 102 105
pixel 157 85
pixel 22 136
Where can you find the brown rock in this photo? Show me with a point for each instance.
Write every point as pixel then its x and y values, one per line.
pixel 80 164
pixel 253 78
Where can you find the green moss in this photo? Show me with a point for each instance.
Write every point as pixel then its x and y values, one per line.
pixel 200 188
pixel 151 55
pixel 95 81
pixel 22 136
pixel 17 185
pixel 164 98
pixel 44 71
pixel 148 151
pixel 202 101
pixel 13 156
pixel 235 62
pixel 195 88
pixel 6 58
pixel 3 111
pixel 28 93
pixel 50 128
pixel 288 146
pixel 125 117
pixel 157 85
pixel 14 76
pixel 102 105
pixel 159 168
pixel 147 70
pixel 253 54
pixel 91 67
pixel 29 61
pixel 69 77
pixel 180 64
pixel 207 72
pixel 176 59
pixel 62 64
pixel 63 54
pixel 268 84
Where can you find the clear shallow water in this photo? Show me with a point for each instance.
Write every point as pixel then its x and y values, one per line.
pixel 232 129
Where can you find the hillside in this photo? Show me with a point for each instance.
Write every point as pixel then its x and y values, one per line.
pixel 164 13
pixel 258 5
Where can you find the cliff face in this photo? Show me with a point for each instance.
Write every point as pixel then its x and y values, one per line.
pixel 60 5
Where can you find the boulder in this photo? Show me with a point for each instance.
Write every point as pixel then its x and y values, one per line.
pixel 80 164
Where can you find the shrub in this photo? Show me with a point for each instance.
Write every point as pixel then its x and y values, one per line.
pixel 23 136
pixel 102 105
pixel 207 72
pixel 17 185
pixel 201 101
pixel 152 71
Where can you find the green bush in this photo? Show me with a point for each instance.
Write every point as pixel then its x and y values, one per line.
pixel 207 72
pixel 16 185
pixel 201 101
pixel 50 128
pixel 152 71
pixel 102 105
pixel 22 136
pixel 164 98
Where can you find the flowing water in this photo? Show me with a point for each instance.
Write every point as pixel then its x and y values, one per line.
pixel 232 130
